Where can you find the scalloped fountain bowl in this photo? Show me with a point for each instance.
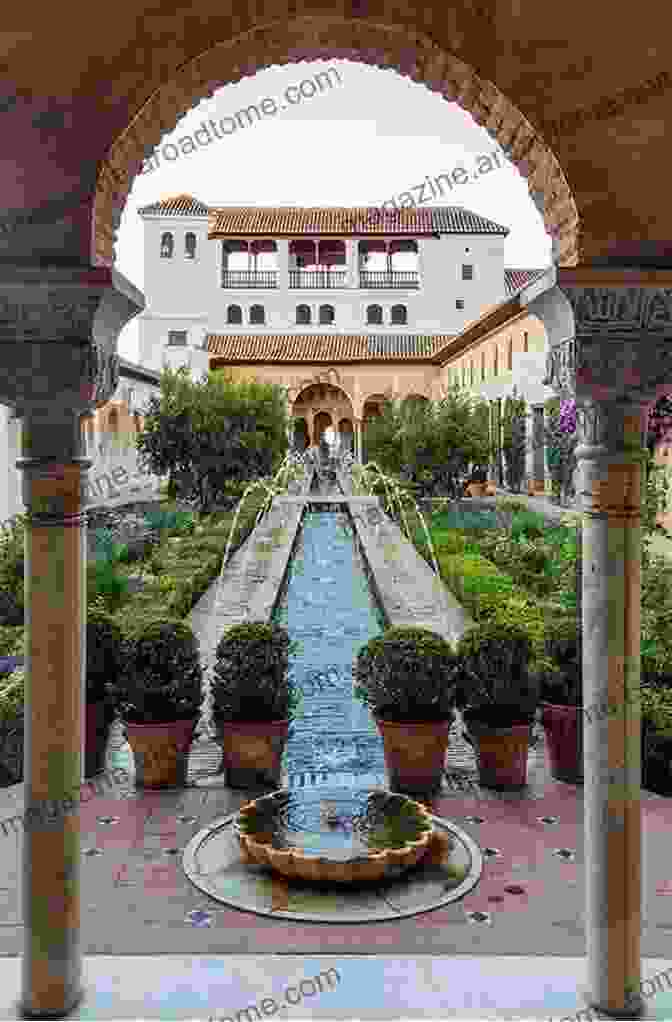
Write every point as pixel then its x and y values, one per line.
pixel 346 838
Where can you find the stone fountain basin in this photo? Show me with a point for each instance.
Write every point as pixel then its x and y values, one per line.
pixel 344 837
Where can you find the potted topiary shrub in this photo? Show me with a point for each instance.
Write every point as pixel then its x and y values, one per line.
pixel 12 694
pixel 561 700
pixel 104 658
pixel 254 700
pixel 501 696
pixel 406 678
pixel 656 708
pixel 477 483
pixel 159 696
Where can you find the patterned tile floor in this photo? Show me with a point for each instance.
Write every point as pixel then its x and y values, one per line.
pixel 530 899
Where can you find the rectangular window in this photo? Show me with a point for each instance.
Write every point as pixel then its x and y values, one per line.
pixel 177 338
pixel 459 303
pixel 467 272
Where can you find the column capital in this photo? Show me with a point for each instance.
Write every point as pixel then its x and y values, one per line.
pixel 58 335
pixel 617 341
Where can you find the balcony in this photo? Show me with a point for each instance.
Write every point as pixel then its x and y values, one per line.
pixel 250 278
pixel 381 279
pixel 318 279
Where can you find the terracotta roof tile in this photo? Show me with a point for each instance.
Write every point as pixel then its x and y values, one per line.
pixel 517 279
pixel 177 205
pixel 323 347
pixel 343 220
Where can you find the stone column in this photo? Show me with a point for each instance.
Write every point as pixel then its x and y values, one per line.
pixel 358 441
pixel 351 247
pixel 616 365
pixel 58 332
pixel 283 264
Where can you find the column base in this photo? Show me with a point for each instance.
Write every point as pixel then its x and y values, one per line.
pixel 637 1010
pixel 22 1010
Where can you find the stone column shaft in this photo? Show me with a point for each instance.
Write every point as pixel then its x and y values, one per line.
pixel 610 453
pixel 56 654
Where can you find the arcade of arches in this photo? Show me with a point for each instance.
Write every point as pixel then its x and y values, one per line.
pixel 84 109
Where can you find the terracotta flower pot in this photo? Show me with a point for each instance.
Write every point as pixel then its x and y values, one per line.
pixel 97 725
pixel 252 751
pixel 563 730
pixel 415 753
pixel 161 752
pixel 501 753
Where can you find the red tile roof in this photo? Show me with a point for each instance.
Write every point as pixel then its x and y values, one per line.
pixel 517 279
pixel 177 205
pixel 342 220
pixel 323 347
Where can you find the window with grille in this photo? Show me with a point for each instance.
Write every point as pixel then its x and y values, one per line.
pixel 374 314
pixel 167 245
pixel 257 315
pixel 327 314
pixel 303 315
pixel 177 338
pixel 399 314
pixel 190 245
pixel 459 303
pixel 467 272
pixel 234 314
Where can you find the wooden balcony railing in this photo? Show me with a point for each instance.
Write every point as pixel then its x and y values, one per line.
pixel 318 279
pixel 373 279
pixel 250 278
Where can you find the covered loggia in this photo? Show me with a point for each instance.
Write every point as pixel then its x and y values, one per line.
pixel 84 111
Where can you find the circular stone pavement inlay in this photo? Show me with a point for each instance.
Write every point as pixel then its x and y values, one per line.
pixel 213 862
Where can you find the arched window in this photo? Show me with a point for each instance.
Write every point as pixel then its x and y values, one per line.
pixel 257 315
pixel 167 245
pixel 374 314
pixel 399 314
pixel 303 315
pixel 327 314
pixel 495 361
pixel 509 355
pixel 234 314
pixel 190 245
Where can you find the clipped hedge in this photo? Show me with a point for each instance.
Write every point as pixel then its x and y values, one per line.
pixel 188 567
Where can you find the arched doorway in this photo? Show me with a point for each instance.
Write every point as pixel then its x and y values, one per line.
pixel 346 436
pixel 320 405
pixel 372 409
pixel 300 436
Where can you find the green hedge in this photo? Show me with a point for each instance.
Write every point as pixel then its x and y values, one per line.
pixel 191 566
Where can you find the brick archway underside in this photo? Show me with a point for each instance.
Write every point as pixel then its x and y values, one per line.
pixel 411 53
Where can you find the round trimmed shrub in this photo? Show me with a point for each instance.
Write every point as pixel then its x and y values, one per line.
pixel 251 674
pixel 161 677
pixel 407 674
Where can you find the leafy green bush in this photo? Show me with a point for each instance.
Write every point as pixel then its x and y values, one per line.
pixel 12 547
pixel 657 709
pixel 560 680
pixel 160 681
pixel 12 694
pixel 495 680
pixel 406 674
pixel 106 582
pixel 12 638
pixel 104 653
pixel 252 680
pixel 511 504
pixel 470 576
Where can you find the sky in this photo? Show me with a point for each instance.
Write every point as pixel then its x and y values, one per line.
pixel 365 137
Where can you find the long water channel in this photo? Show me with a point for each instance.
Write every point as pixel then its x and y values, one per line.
pixel 328 605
